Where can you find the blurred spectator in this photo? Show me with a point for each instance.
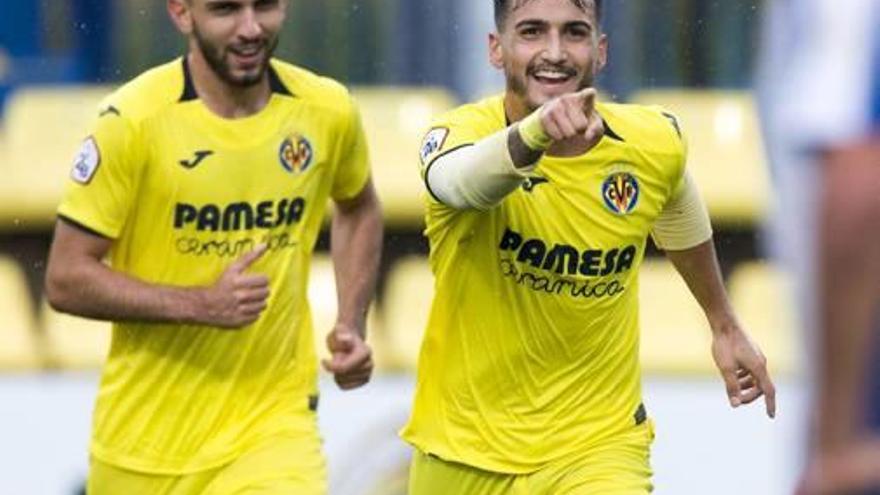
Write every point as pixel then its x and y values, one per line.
pixel 821 96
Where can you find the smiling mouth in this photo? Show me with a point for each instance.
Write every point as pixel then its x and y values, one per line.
pixel 552 77
pixel 248 54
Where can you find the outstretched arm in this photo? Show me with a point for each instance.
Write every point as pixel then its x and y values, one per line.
pixel 78 282
pixel 481 175
pixel 742 365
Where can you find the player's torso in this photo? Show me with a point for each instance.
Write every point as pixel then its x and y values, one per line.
pixel 583 220
pixel 214 189
pixel 211 190
pixel 533 332
pixel 570 238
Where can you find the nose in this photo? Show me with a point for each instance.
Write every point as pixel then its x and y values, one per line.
pixel 249 26
pixel 554 51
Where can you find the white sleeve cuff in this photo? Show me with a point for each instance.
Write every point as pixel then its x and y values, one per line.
pixel 684 222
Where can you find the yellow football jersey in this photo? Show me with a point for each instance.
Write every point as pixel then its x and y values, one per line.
pixel 183 193
pixel 531 349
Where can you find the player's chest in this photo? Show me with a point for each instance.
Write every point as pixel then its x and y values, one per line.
pixel 589 201
pixel 229 164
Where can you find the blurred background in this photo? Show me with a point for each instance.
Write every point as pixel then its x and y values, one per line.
pixel 405 61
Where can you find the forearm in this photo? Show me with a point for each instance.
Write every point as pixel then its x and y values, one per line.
pixel 481 175
pixel 91 289
pixel 849 272
pixel 698 266
pixel 356 246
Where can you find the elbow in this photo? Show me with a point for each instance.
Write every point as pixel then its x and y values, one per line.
pixel 447 185
pixel 57 289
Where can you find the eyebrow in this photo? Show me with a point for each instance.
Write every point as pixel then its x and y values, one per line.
pixel 221 3
pixel 543 23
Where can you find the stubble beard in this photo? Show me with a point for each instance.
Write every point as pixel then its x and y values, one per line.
pixel 216 60
pixel 518 86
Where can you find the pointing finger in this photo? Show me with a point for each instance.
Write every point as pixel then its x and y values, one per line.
pixel 766 386
pixel 587 96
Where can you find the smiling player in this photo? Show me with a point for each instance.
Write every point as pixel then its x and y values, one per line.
pixel 542 200
pixel 205 182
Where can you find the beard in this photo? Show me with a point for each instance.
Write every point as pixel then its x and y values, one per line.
pixel 518 84
pixel 216 58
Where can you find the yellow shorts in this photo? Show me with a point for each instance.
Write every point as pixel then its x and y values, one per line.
pixel 618 467
pixel 282 465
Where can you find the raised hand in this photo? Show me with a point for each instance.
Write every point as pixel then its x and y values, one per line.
pixel 573 115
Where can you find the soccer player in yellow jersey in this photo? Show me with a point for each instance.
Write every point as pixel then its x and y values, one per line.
pixel 541 202
pixel 204 182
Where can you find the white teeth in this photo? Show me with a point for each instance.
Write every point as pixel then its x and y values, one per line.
pixel 248 52
pixel 556 76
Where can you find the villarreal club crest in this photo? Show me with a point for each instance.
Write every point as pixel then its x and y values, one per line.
pixel 620 190
pixel 296 154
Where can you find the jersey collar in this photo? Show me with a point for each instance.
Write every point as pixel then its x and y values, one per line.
pixel 276 85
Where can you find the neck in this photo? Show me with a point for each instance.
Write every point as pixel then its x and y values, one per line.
pixel 224 99
pixel 515 108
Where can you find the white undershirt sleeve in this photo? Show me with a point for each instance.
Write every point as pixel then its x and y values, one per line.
pixel 477 176
pixel 684 222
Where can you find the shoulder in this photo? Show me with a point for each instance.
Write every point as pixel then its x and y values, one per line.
pixel 652 128
pixel 313 89
pixel 486 114
pixel 462 126
pixel 146 95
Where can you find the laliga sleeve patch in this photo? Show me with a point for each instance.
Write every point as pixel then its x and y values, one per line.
pixel 433 142
pixel 87 161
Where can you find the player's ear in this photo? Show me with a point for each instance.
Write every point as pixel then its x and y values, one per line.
pixel 284 9
pixel 496 51
pixel 181 14
pixel 601 54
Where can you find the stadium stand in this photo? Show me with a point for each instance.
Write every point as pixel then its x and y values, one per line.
pixel 761 294
pixel 43 128
pixel 726 154
pixel 395 121
pixel 675 336
pixel 322 299
pixel 405 307
pixel 74 343
pixel 35 167
pixel 20 348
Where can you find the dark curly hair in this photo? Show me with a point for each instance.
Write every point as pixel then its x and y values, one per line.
pixel 503 7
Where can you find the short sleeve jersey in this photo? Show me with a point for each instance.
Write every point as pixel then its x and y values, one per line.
pixel 183 193
pixel 531 349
